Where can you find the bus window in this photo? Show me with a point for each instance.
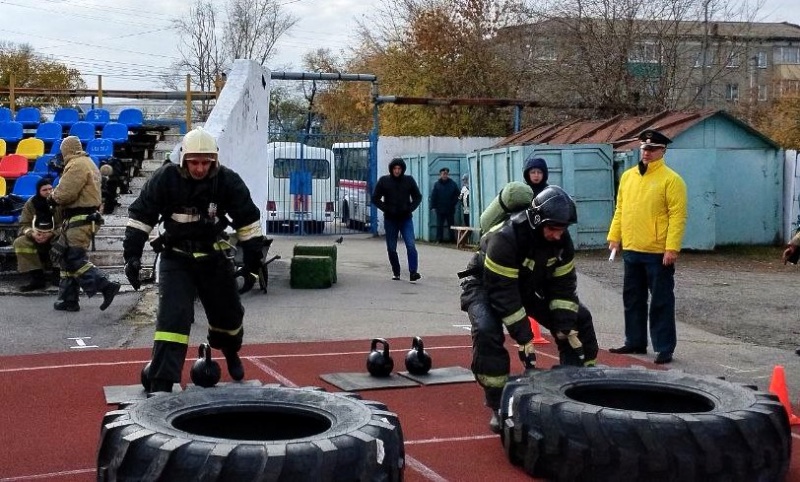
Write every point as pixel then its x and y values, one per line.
pixel 319 168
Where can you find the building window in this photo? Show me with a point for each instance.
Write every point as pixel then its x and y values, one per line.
pixel 761 60
pixel 762 92
pixel 788 55
pixel 646 53
pixel 733 60
pixel 732 91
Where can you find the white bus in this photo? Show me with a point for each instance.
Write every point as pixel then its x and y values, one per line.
pixel 301 188
pixel 352 160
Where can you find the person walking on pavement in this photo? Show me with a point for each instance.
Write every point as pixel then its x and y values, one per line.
pixel 78 195
pixel 398 196
pixel 535 174
pixel 649 221
pixel 792 255
pixel 38 226
pixel 525 267
pixel 195 200
pixel 443 200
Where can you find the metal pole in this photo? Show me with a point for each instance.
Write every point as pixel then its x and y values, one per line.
pixel 373 161
pixel 188 102
pixel 100 91
pixel 12 102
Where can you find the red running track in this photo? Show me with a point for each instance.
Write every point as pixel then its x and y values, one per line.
pixel 52 406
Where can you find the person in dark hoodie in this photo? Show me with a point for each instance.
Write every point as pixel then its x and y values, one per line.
pixel 398 195
pixel 535 174
pixel 443 200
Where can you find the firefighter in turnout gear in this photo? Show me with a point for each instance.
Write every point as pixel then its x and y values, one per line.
pixel 78 195
pixel 195 200
pixel 525 267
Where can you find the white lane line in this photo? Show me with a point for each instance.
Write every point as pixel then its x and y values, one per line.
pixel 79 343
pixel 50 475
pixel 423 469
pixel 274 374
pixel 451 439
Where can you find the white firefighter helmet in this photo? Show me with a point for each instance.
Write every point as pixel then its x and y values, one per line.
pixel 198 141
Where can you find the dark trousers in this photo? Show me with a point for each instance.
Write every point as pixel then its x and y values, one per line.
pixel 645 274
pixel 181 279
pixel 406 229
pixel 491 362
pixel 441 220
pixel 76 273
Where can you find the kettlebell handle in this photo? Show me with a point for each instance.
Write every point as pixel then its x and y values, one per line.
pixel 416 344
pixel 374 345
pixel 204 351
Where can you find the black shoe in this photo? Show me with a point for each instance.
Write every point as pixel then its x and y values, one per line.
pixel 37 282
pixel 797 352
pixel 627 350
pixel 494 423
pixel 395 277
pixel 109 292
pixel 414 276
pixel 160 385
pixel 235 367
pixel 66 306
pixel 662 358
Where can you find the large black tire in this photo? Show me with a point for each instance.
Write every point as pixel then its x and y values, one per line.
pixel 236 433
pixel 615 424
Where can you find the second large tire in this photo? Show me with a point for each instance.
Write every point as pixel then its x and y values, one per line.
pixel 236 433
pixel 615 424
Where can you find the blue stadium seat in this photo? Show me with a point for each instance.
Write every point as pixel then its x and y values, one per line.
pixel 25 186
pixel 98 117
pixel 49 132
pixel 56 147
pixel 133 118
pixel 29 117
pixel 42 166
pixel 83 130
pixel 116 132
pixel 11 132
pixel 6 115
pixel 102 149
pixel 66 116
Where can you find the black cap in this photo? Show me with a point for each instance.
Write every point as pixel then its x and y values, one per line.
pixel 652 137
pixel 444 169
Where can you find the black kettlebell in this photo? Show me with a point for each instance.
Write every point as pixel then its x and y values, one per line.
pixel 418 361
pixel 379 363
pixel 205 371
pixel 146 377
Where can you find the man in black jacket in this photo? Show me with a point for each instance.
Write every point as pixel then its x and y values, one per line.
pixel 525 268
pixel 195 200
pixel 397 195
pixel 443 200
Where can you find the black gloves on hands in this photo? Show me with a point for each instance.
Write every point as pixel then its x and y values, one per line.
pixel 132 269
pixel 252 258
pixel 527 355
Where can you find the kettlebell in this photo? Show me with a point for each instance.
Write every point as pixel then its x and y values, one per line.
pixel 379 363
pixel 146 377
pixel 205 371
pixel 418 361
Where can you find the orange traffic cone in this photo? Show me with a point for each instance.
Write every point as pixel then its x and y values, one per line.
pixel 538 339
pixel 777 386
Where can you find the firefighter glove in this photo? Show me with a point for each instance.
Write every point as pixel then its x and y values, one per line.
pixel 574 342
pixel 252 260
pixel 527 355
pixel 132 269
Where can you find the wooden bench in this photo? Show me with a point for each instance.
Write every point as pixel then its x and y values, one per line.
pixel 464 235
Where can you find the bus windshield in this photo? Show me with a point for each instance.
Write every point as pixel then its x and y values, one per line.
pixel 319 168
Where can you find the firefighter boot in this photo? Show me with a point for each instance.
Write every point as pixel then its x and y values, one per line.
pixel 109 292
pixel 37 281
pixel 160 385
pixel 61 305
pixel 494 423
pixel 235 367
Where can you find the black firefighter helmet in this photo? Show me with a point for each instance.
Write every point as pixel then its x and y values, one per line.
pixel 553 206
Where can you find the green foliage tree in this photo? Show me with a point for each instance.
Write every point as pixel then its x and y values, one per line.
pixel 31 70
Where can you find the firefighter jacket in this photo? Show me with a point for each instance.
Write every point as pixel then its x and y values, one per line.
pixel 519 270
pixel 194 213
pixel 650 216
pixel 79 186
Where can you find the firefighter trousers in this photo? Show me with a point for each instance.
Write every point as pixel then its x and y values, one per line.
pixel 182 278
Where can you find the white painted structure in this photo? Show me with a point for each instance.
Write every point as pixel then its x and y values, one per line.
pixel 791 193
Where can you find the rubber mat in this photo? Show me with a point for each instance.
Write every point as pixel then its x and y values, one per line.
pixel 116 394
pixel 440 376
pixel 351 382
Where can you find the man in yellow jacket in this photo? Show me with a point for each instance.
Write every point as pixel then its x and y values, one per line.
pixel 649 221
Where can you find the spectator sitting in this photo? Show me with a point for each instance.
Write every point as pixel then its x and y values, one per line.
pixel 36 233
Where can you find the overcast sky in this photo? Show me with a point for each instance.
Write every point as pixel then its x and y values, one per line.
pixel 130 41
